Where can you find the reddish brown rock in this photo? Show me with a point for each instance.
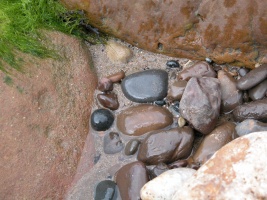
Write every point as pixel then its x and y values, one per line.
pixel 109 100
pixel 44 121
pixel 225 31
pixel 176 90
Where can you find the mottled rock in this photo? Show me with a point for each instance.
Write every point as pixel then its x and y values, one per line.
pixel 117 77
pixel 200 103
pixel 231 96
pixel 130 179
pixel 112 143
pixel 109 100
pixel 165 185
pixel 146 86
pixel 117 52
pixel 106 189
pixel 259 91
pixel 101 119
pixel 252 110
pixel 176 90
pixel 237 170
pixel 250 126
pixel 141 119
pixel 253 78
pixel 212 142
pixel 105 85
pixel 166 146
pixel 131 147
pixel 200 69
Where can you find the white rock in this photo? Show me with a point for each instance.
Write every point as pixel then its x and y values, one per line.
pixel 117 52
pixel 165 185
pixel 237 171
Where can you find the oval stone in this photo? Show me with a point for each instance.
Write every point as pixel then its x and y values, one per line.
pixel 101 119
pixel 117 77
pixel 166 146
pixel 106 189
pixel 109 100
pixel 112 143
pixel 141 119
pixel 259 91
pixel 176 90
pixel 131 147
pixel 146 86
pixel 250 126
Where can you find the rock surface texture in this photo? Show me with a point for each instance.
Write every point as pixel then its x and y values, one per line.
pixel 236 170
pixel 44 122
pixel 191 29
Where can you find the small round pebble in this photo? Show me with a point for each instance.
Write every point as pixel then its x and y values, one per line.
pixel 243 71
pixel 107 190
pixel 112 143
pixel 101 119
pixel 131 147
pixel 105 85
pixel 173 64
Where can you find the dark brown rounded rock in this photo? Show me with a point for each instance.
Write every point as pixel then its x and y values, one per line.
pixel 212 142
pixel 259 91
pixel 158 170
pixel 130 179
pixel 249 126
pixel 105 85
pixel 141 119
pixel 117 77
pixel 253 78
pixel 253 110
pixel 166 146
pixel 176 90
pixel 200 69
pixel 200 104
pixel 112 143
pixel 131 147
pixel 109 100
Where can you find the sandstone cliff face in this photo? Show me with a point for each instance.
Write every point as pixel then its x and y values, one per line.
pixel 226 31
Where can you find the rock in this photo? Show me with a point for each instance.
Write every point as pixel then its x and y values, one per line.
pixel 178 164
pixel 106 189
pixel 130 179
pixel 253 78
pixel 165 185
pixel 146 86
pixel 200 104
pixel 141 119
pixel 176 90
pixel 109 100
pixel 101 119
pixel 117 52
pixel 253 110
pixel 231 96
pixel 105 85
pixel 173 64
pixel 157 170
pixel 117 77
pixel 243 71
pixel 112 143
pixel 185 29
pixel 250 126
pixel 237 170
pixel 174 108
pixel 212 142
pixel 181 122
pixel 131 147
pixel 166 146
pixel 259 91
pixel 200 69
pixel 44 121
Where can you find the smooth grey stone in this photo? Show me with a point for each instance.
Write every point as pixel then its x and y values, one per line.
pixel 101 119
pixel 106 190
pixel 259 91
pixel 112 143
pixel 250 126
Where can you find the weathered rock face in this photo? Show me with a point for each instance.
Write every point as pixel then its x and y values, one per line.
pixel 44 118
pixel 192 29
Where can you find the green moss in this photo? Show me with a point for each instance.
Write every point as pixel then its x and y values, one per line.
pixel 8 80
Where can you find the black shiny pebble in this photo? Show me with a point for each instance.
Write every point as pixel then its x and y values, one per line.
pixel 112 143
pixel 173 64
pixel 101 119
pixel 106 190
pixel 131 147
pixel 160 102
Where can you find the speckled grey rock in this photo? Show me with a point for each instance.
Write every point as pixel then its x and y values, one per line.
pixel 250 126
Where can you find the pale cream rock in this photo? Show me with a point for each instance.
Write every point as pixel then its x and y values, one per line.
pixel 237 171
pixel 117 52
pixel 165 185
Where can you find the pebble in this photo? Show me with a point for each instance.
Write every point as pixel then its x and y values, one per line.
pixel 173 64
pixel 106 190
pixel 212 142
pixel 174 108
pixel 158 169
pixel 130 179
pixel 259 91
pixel 112 143
pixel 146 86
pixel 176 90
pixel 117 77
pixel 165 185
pixel 160 102
pixel 109 100
pixel 181 122
pixel 231 96
pixel 101 119
pixel 166 146
pixel 253 78
pixel 243 71
pixel 200 69
pixel 250 126
pixel 237 171
pixel 105 85
pixel 200 103
pixel 138 120
pixel 131 147
pixel 252 110
pixel 117 52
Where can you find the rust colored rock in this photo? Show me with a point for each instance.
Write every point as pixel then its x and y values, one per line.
pixel 166 146
pixel 191 29
pixel 109 100
pixel 117 77
pixel 130 179
pixel 200 69
pixel 44 121
pixel 176 90
pixel 141 119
